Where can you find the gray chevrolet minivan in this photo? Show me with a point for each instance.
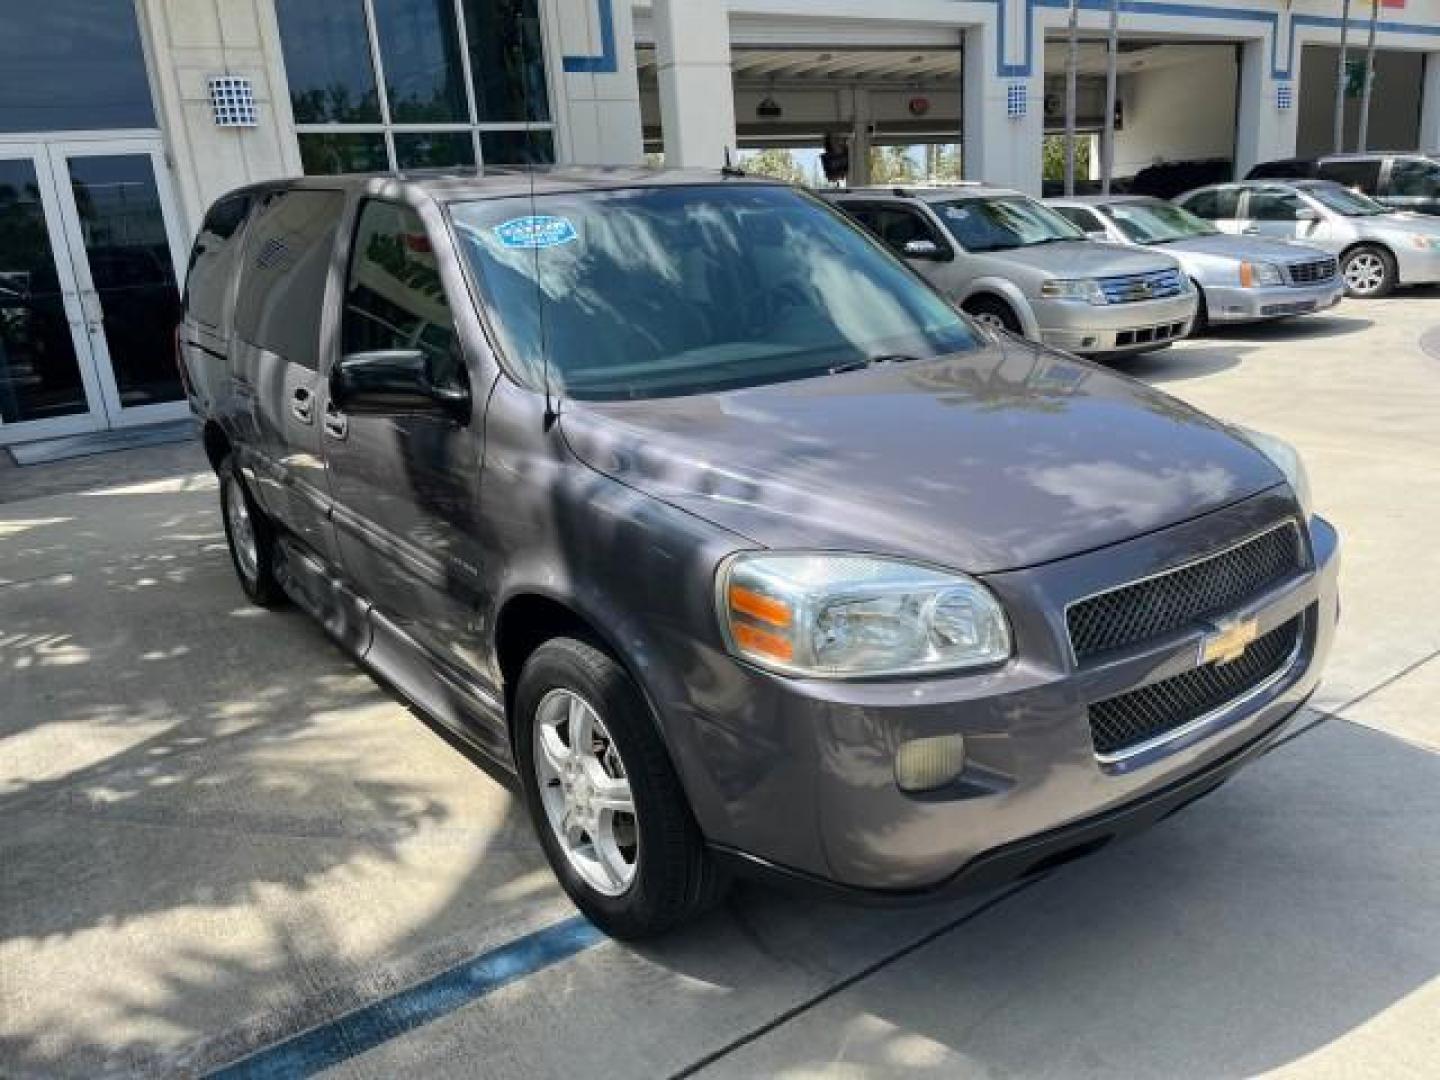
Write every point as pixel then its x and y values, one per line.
pixel 681 499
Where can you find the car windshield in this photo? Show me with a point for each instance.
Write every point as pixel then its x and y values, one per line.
pixel 1157 223
pixel 1344 201
pixel 999 224
pixel 687 289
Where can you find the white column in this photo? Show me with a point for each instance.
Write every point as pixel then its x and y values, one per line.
pixel 697 95
pixel 1264 132
pixel 999 149
pixel 1430 105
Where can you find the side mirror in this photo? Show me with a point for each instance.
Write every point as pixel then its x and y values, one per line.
pixel 396 381
pixel 922 249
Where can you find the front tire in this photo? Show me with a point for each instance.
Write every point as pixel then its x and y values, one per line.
pixel 1369 272
pixel 251 538
pixel 603 796
pixel 994 314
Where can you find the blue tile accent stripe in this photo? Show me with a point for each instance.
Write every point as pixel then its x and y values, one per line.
pixel 606 62
pixel 353 1034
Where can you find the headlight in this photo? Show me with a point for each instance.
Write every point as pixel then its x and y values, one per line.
pixel 839 616
pixel 1255 274
pixel 1087 289
pixel 1287 459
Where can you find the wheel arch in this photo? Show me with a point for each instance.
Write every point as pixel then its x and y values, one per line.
pixel 1007 293
pixel 217 444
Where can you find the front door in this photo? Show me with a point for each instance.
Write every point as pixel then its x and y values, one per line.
pixel 88 293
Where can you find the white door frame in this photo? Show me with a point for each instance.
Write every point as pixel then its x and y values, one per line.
pixel 61 150
pixel 93 418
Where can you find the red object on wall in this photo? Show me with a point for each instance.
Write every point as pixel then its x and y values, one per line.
pixel 1392 3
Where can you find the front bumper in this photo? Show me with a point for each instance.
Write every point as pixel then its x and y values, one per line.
pixel 806 768
pixel 1231 304
pixel 1084 328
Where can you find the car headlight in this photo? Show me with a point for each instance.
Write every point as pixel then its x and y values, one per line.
pixel 1256 274
pixel 1087 289
pixel 846 616
pixel 1287 459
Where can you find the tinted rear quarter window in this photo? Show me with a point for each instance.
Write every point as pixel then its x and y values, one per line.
pixel 1363 174
pixel 1275 204
pixel 214 260
pixel 286 262
pixel 1415 176
pixel 1216 204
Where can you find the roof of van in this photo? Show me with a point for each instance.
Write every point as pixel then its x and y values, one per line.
pixel 452 185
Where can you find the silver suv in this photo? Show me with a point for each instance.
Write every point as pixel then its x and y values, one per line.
pixel 1378 247
pixel 1013 263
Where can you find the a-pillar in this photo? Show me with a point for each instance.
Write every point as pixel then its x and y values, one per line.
pixel 697 93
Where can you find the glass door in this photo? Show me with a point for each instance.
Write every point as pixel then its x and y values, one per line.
pixel 121 229
pixel 49 384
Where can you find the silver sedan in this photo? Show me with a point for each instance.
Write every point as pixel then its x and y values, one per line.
pixel 1241 278
pixel 1378 248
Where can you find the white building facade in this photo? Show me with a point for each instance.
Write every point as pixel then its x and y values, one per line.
pixel 122 120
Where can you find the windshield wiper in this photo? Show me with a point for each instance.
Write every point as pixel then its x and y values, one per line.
pixel 863 362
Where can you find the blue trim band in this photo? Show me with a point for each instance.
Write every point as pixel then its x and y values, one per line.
pixel 351 1035
pixel 606 62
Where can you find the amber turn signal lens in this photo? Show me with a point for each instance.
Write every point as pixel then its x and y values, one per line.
pixel 754 640
pixel 758 606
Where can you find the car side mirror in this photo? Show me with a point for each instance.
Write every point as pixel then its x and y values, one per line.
pixel 922 249
pixel 395 381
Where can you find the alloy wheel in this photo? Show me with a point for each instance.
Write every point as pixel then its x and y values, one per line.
pixel 1365 272
pixel 242 532
pixel 586 792
pixel 990 320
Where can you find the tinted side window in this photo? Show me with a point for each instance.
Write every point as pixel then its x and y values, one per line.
pixel 1218 204
pixel 1084 219
pixel 214 260
pixel 1364 175
pixel 393 295
pixel 1412 176
pixel 282 280
pixel 897 226
pixel 865 215
pixel 1274 205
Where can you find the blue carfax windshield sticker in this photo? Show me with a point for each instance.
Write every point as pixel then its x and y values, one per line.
pixel 542 231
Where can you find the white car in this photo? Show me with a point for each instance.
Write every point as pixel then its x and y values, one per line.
pixel 1378 248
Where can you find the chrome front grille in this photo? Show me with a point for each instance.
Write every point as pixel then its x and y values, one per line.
pixel 1121 725
pixel 1131 288
pixel 1176 598
pixel 1313 272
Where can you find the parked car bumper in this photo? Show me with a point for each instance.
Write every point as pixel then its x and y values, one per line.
pixel 1226 304
pixel 1084 328
pixel 820 800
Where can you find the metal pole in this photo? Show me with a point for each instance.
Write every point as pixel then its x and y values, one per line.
pixel 1107 137
pixel 1369 79
pixel 1338 142
pixel 1072 64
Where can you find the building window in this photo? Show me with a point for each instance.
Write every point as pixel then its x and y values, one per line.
pixel 415 84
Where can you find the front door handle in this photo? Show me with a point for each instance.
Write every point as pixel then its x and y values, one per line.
pixel 302 405
pixel 337 424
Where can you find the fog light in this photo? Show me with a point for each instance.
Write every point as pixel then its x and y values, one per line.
pixel 926 764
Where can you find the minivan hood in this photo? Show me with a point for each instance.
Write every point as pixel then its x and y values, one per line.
pixel 1002 458
pixel 1086 258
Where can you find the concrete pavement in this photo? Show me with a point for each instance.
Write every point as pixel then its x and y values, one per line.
pixel 218 833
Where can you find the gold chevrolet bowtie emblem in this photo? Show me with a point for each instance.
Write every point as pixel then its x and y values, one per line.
pixel 1229 642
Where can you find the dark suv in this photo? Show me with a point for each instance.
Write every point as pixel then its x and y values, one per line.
pixel 1400 181
pixel 681 498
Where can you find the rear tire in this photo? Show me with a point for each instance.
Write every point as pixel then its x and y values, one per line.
pixel 251 538
pixel 994 314
pixel 587 746
pixel 1369 272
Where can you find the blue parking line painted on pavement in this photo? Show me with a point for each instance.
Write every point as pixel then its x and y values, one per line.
pixel 353 1034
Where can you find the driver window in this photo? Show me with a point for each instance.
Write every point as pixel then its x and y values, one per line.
pixel 897 227
pixel 1274 205
pixel 393 295
pixel 1409 176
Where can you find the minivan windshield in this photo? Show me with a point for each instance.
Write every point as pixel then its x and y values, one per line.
pixel 686 289
pixel 1345 202
pixel 1003 223
pixel 1157 222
